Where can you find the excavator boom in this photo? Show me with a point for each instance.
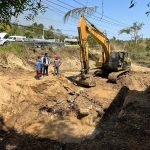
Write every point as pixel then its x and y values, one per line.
pixel 85 28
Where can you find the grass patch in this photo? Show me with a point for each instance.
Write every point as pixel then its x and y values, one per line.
pixel 15 47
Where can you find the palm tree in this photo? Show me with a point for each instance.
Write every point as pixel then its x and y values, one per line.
pixel 76 12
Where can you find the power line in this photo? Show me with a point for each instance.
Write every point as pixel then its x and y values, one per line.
pixel 65 3
pixel 123 24
pixel 102 11
pixel 57 4
pixel 93 17
pixel 56 21
pixel 67 9
pixel 104 20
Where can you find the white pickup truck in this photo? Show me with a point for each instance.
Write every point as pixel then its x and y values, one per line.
pixel 2 39
pixel 16 38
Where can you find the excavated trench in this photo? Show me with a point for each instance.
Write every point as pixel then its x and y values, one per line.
pixel 36 114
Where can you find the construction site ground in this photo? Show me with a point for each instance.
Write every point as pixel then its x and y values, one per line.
pixel 55 114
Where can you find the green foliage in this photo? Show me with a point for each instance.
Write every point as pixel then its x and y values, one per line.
pixel 113 38
pixel 126 30
pixel 137 52
pixel 133 3
pixel 29 34
pixel 92 42
pixel 5 27
pixel 131 46
pixel 13 47
pixel 32 31
pixel 148 44
pixel 12 8
pixel 133 30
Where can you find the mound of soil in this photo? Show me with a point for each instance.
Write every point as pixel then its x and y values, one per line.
pixel 135 80
pixel 11 61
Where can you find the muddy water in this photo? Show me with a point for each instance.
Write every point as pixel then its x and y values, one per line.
pixel 66 130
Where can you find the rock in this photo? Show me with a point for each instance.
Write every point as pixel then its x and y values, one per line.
pixel 84 111
pixel 70 100
pixel 99 110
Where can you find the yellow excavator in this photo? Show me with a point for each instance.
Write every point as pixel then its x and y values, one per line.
pixel 114 63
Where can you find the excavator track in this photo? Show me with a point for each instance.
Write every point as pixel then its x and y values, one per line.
pixel 114 76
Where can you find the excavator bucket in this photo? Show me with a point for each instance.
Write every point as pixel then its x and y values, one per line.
pixel 84 81
pixel 88 82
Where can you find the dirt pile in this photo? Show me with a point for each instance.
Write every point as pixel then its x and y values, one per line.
pixel 70 57
pixel 11 61
pixel 135 80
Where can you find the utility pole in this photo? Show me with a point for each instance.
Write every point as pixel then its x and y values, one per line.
pixel 43 33
pixel 33 28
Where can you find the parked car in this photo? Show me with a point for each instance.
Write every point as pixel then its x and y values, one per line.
pixel 2 38
pixel 16 38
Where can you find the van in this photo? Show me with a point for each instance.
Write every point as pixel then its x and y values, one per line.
pixel 16 38
pixel 71 42
pixel 2 38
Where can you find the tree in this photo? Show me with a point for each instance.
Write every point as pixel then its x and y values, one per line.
pixel 12 8
pixel 51 28
pixel 133 30
pixel 29 34
pixel 5 27
pixel 133 2
pixel 78 12
pixel 114 38
pixel 92 42
pixel 148 44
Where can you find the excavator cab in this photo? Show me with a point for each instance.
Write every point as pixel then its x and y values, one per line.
pixel 119 64
pixel 119 60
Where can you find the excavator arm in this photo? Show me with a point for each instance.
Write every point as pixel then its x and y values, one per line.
pixel 85 28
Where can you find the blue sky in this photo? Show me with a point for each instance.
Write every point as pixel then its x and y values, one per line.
pixel 117 15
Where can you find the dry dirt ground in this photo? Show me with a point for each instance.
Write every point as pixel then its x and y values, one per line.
pixel 53 113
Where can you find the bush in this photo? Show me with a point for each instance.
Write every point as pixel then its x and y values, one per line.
pixel 148 48
pixel 13 47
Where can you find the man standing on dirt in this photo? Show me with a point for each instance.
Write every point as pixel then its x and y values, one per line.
pixel 46 62
pixel 42 66
pixel 57 64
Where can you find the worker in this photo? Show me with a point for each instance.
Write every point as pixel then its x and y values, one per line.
pixel 46 63
pixel 57 64
pixel 42 66
pixel 38 64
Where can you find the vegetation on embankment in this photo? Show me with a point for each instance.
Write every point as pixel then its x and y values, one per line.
pixel 139 53
pixel 17 48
